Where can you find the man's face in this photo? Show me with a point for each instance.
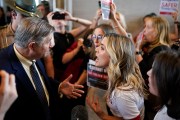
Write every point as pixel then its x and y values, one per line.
pixel 42 9
pixel 59 24
pixel 43 49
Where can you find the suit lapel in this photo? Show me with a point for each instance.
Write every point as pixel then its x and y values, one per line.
pixel 20 73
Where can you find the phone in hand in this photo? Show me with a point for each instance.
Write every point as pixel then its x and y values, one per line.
pixel 58 16
pixel 99 3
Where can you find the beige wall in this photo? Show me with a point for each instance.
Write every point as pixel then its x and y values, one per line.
pixel 133 10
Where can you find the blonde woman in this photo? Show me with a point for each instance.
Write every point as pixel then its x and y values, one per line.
pixel 155 39
pixel 125 95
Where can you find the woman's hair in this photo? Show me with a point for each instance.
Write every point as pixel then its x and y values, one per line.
pixel 161 25
pixel 105 28
pixel 149 15
pixel 166 72
pixel 32 29
pixel 87 33
pixel 123 69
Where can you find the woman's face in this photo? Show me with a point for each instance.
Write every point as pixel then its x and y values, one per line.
pixel 102 55
pixel 97 36
pixel 152 83
pixel 150 32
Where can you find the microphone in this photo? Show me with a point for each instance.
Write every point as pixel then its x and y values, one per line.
pixel 79 112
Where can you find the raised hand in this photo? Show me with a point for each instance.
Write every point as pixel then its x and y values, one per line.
pixel 93 103
pixel 8 92
pixel 70 90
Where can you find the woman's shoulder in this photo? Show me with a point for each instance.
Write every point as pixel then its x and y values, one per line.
pixel 162 114
pixel 158 49
pixel 125 92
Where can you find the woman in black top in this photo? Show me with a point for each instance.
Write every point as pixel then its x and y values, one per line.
pixel 155 39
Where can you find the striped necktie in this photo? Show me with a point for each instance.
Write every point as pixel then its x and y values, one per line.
pixel 39 87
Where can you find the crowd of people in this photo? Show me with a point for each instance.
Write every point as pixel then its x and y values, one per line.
pixel 43 67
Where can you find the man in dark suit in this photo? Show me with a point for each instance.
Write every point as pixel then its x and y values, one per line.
pixel 33 40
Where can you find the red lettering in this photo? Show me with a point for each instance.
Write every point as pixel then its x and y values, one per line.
pixel 169 5
pixel 97 75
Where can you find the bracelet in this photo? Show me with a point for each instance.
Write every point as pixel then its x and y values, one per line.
pixel 138 52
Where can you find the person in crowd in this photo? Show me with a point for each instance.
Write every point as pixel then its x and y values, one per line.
pixel 117 20
pixel 164 82
pixel 80 60
pixel 63 40
pixel 98 33
pixel 77 67
pixel 97 36
pixel 20 10
pixel 176 44
pixel 64 54
pixel 125 94
pixel 8 92
pixel 38 96
pixel 174 36
pixel 43 7
pixel 145 18
pixel 2 17
pixel 155 39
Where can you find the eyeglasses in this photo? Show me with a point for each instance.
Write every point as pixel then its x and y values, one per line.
pixel 98 37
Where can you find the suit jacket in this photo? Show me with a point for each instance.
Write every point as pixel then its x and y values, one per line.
pixel 28 106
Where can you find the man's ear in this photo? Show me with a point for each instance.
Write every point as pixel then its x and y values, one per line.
pixel 31 46
pixel 13 14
